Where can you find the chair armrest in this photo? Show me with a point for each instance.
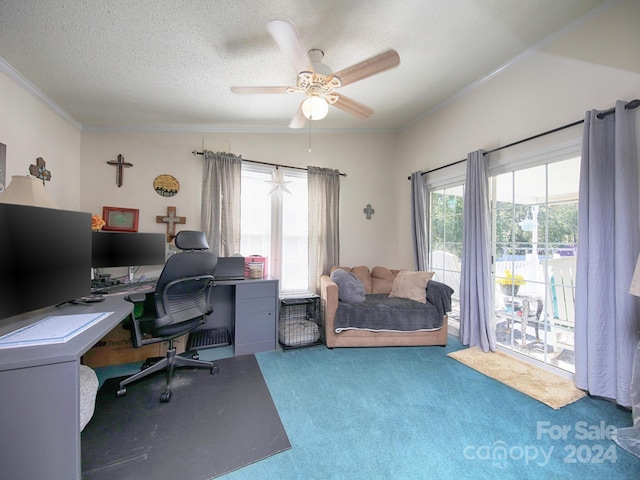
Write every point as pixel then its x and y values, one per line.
pixel 136 297
pixel 329 303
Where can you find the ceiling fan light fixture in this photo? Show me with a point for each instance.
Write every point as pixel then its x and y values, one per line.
pixel 315 108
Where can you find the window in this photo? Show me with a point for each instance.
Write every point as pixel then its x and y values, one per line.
pixel 445 241
pixel 274 224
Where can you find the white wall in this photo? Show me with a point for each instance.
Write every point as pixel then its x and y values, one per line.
pixel 590 68
pixel 365 158
pixel 30 130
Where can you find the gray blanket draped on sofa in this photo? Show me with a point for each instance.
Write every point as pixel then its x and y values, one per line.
pixel 379 312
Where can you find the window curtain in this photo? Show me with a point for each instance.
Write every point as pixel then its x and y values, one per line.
pixel 323 186
pixel 419 216
pixel 476 290
pixel 607 316
pixel 220 211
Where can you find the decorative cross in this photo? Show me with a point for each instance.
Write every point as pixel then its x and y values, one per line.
pixel 39 170
pixel 120 164
pixel 171 220
pixel 369 211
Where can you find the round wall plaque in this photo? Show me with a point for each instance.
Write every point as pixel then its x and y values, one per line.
pixel 166 185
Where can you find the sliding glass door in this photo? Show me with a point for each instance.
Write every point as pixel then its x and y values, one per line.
pixel 534 239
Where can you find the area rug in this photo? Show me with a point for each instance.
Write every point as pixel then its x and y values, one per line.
pixel 546 387
pixel 213 424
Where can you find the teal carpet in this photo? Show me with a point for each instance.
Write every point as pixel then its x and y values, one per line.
pixel 414 413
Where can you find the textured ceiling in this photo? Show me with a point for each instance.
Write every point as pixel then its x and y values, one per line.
pixel 163 64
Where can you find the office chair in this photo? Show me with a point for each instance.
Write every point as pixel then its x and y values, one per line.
pixel 181 301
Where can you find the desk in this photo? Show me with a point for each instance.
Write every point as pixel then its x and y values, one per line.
pixel 40 385
pixel 40 396
pixel 249 308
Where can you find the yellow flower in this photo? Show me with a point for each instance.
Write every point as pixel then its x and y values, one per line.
pixel 511 280
pixel 97 222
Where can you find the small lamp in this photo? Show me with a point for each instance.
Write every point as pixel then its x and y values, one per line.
pixel 26 190
pixel 315 108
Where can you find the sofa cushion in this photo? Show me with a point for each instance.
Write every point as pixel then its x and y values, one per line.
pixel 350 288
pixel 382 279
pixel 364 274
pixel 411 285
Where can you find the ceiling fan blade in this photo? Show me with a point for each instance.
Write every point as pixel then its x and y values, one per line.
pixel 252 90
pixel 298 120
pixel 366 68
pixel 352 107
pixel 288 39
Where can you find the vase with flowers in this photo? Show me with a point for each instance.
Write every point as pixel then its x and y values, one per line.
pixel 97 223
pixel 510 284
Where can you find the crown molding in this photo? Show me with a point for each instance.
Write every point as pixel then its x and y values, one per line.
pixel 214 129
pixel 35 92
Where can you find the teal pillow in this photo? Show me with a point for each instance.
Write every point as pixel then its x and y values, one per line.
pixel 350 288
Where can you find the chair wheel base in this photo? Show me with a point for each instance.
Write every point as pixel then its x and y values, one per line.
pixel 165 397
pixel 121 392
pixel 215 370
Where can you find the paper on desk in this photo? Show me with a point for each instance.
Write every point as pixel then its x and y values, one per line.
pixel 54 329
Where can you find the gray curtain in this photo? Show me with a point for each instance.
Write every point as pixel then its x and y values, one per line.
pixel 419 223
pixel 476 290
pixel 323 186
pixel 607 316
pixel 220 210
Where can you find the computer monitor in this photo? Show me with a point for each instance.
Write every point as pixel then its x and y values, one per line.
pixel 45 257
pixel 127 249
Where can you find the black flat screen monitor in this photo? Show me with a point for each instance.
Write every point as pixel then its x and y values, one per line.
pixel 45 257
pixel 127 249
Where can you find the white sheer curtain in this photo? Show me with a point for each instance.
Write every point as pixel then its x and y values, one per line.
pixel 220 210
pixel 420 220
pixel 476 290
pixel 607 316
pixel 324 236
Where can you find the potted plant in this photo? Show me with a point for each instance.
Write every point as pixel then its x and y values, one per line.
pixel 510 284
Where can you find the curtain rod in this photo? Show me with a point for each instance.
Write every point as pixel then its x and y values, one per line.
pixel 195 152
pixel 633 104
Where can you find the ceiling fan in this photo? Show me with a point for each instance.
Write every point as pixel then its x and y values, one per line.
pixel 316 80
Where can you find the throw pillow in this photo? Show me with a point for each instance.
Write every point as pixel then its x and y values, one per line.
pixel 350 288
pixel 411 285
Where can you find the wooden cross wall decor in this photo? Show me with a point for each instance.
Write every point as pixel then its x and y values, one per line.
pixel 171 220
pixel 120 164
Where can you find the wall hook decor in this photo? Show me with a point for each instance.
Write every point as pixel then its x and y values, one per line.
pixel 39 170
pixel 368 211
pixel 120 164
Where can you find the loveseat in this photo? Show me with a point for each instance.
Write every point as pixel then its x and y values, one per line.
pixel 383 305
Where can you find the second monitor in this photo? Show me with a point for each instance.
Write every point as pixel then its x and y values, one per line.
pixel 124 249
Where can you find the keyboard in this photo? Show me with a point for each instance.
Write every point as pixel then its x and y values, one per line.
pixel 147 284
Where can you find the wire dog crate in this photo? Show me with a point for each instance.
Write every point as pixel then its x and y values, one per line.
pixel 300 323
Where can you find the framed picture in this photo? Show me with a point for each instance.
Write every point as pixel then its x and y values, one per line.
pixel 120 219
